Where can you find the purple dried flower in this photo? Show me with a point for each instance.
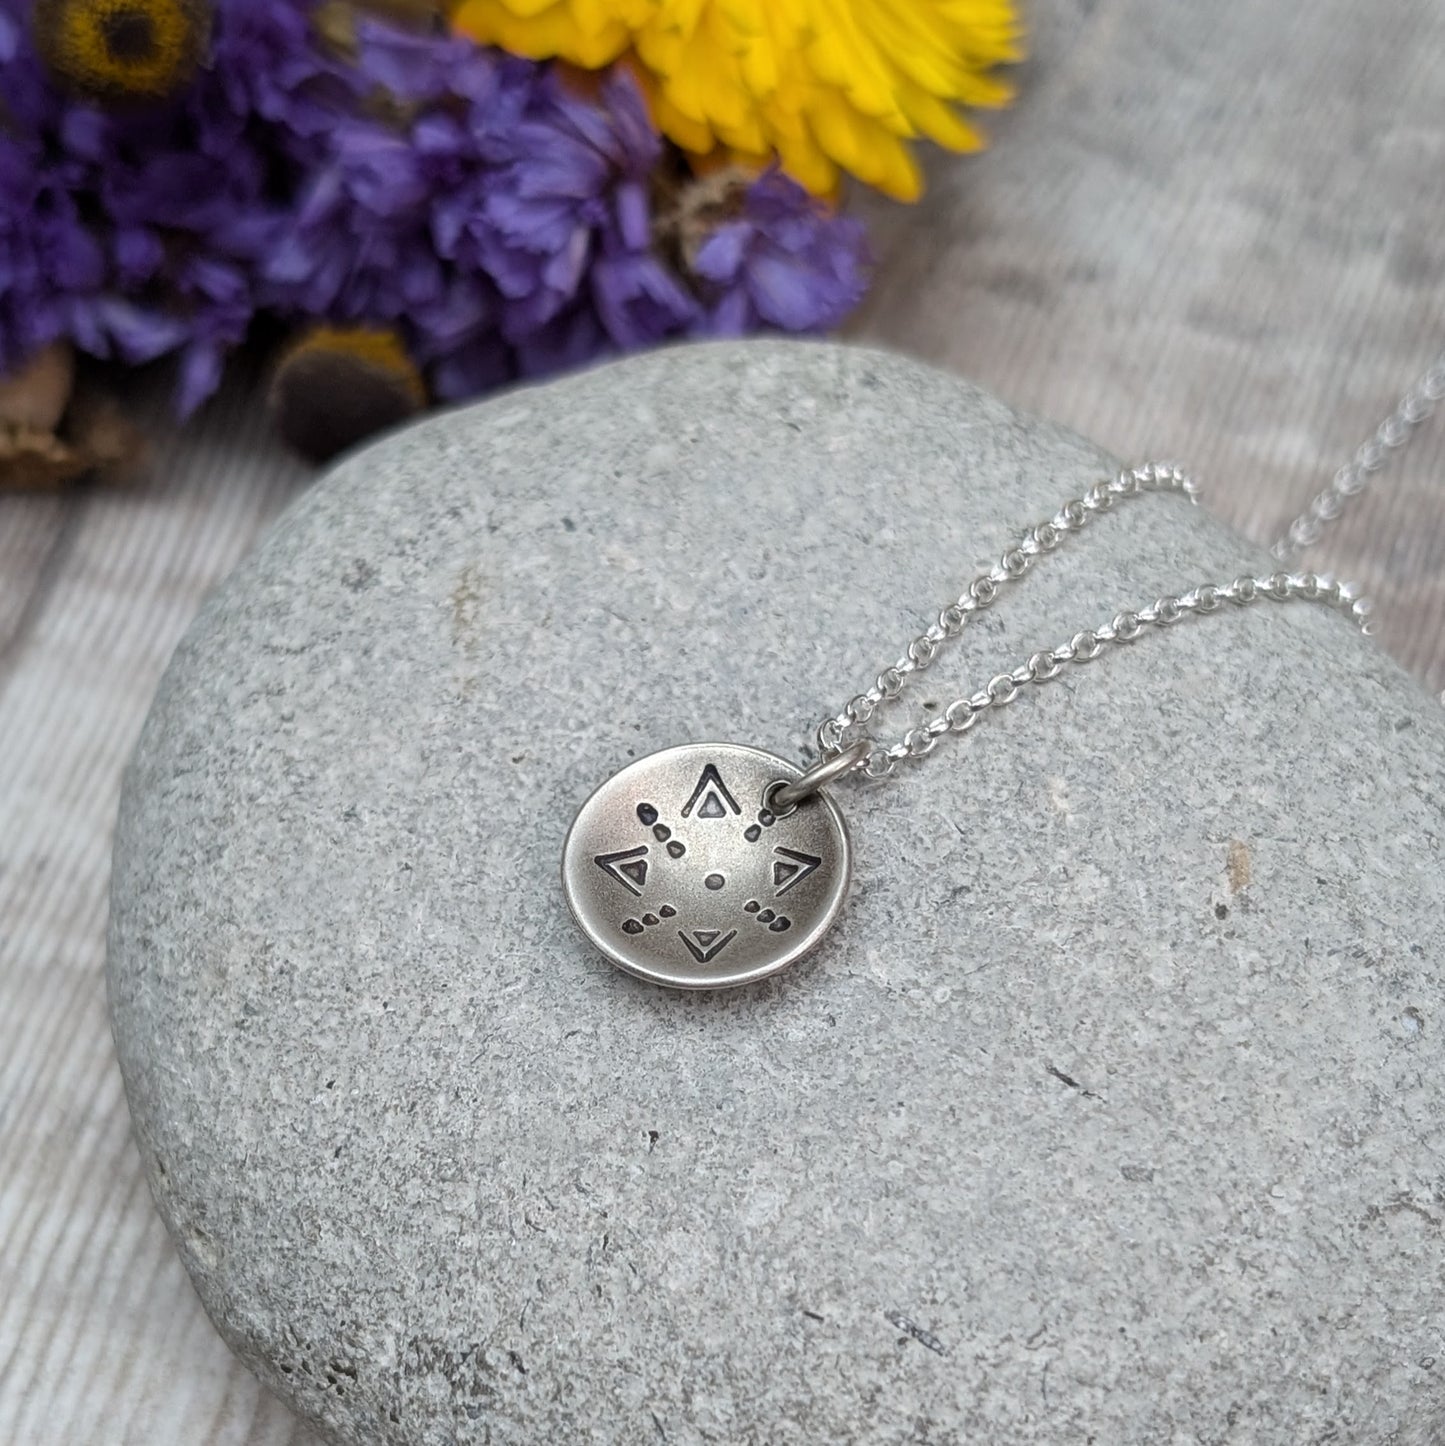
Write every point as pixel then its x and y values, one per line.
pixel 638 300
pixel 494 220
pixel 269 68
pixel 50 264
pixel 505 213
pixel 566 217
pixel 422 68
pixel 49 261
pixel 358 245
pixel 175 196
pixel 787 262
pixel 571 339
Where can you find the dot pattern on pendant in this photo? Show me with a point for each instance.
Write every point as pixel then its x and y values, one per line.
pixel 716 800
pixel 766 819
pixel 776 923
pixel 790 866
pixel 689 835
pixel 648 921
pixel 647 814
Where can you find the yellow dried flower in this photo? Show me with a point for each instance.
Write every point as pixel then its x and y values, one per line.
pixel 827 85
pixel 123 49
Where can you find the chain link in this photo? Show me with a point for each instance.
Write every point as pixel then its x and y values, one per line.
pixel 984 590
pixel 1126 627
pixel 848 727
pixel 1388 438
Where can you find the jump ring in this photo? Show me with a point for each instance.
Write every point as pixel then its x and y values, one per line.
pixel 783 797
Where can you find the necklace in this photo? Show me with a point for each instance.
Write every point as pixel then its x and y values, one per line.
pixel 711 865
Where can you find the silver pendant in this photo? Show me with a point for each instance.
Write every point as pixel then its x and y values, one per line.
pixel 688 869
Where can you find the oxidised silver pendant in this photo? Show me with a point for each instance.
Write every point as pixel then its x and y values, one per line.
pixel 686 869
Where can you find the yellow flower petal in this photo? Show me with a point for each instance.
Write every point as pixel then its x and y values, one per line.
pixel 541 29
pixel 689 132
pixel 941 124
pixel 826 85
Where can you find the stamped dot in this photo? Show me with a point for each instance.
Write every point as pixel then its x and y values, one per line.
pixel 767 818
pixel 779 924
pixel 632 926
pixel 676 849
pixel 662 833
pixel 714 882
pixel 752 834
pixel 766 917
pixel 647 814
pixel 667 911
pixel 751 907
pixel 649 919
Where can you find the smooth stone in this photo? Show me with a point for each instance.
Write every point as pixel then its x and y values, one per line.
pixel 1112 1110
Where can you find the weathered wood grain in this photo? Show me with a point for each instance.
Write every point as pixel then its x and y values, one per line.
pixel 1208 231
pixel 101 1337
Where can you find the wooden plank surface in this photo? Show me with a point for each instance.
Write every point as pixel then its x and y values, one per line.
pixel 1212 232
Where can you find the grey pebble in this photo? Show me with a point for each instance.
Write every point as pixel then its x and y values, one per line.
pixel 1036 1149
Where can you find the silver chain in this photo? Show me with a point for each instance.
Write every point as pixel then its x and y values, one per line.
pixel 1388 438
pixel 848 731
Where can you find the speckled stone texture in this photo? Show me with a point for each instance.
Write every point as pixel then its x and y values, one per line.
pixel 1111 1111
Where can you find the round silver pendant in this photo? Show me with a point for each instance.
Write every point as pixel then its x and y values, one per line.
pixel 680 873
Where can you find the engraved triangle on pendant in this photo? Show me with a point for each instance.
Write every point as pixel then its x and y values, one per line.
pixel 706 944
pixel 716 800
pixel 629 868
pixel 791 868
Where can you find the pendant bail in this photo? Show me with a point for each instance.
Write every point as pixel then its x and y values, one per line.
pixel 783 797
